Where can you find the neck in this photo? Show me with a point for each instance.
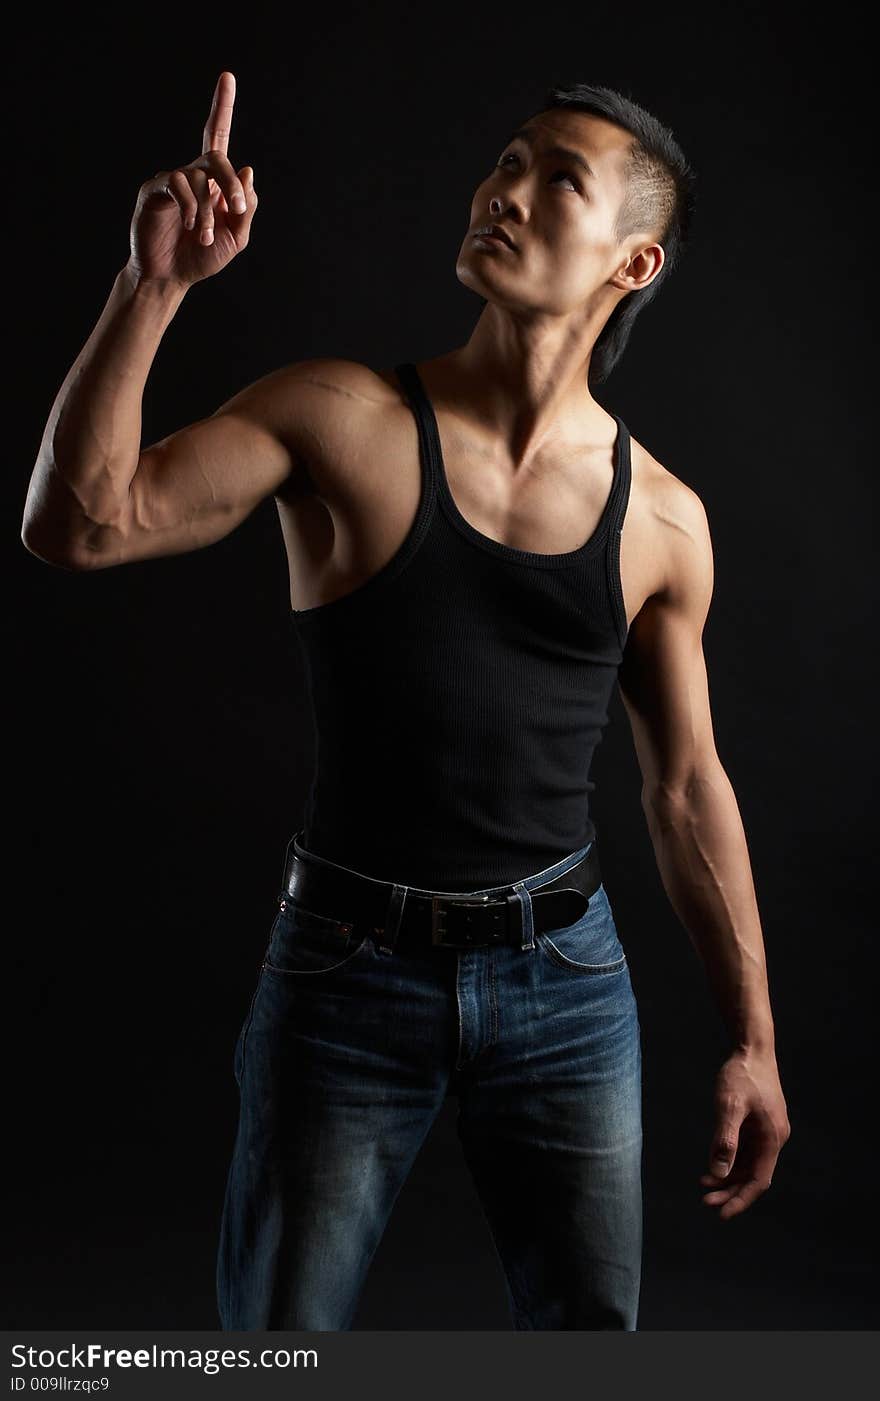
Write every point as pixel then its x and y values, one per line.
pixel 525 385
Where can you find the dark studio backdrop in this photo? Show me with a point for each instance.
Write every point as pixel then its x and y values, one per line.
pixel 159 747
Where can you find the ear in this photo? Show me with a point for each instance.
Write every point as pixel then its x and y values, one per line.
pixel 640 268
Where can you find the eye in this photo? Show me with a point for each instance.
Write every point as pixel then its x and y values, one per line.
pixel 511 155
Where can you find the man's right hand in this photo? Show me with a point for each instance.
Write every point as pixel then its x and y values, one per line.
pixel 190 222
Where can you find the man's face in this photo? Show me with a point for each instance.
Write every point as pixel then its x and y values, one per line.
pixel 558 214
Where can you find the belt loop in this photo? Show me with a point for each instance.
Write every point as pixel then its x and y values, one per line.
pixel 393 916
pixel 523 894
pixel 287 863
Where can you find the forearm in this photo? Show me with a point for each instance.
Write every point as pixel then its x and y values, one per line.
pixel 92 440
pixel 702 856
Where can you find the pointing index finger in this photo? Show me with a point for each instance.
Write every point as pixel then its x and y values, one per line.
pixel 216 133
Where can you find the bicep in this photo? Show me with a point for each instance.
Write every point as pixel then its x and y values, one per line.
pixel 663 679
pixel 196 485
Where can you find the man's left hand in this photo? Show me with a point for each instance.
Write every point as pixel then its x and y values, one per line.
pixel 751 1128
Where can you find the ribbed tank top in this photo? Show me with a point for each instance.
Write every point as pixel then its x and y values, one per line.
pixel 458 695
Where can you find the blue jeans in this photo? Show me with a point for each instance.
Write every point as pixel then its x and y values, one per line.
pixel 343 1062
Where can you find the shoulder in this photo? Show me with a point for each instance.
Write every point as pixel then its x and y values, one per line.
pixel 315 406
pixel 323 382
pixel 344 382
pixel 679 525
pixel 310 396
pixel 330 411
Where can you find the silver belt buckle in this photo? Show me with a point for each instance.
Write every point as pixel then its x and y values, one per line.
pixel 440 905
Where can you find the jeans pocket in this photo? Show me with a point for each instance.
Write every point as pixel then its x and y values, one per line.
pixel 591 945
pixel 306 941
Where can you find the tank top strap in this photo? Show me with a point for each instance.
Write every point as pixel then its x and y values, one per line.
pixel 408 377
pixel 620 490
pixel 617 504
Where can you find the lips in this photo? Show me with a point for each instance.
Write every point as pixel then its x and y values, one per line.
pixel 495 231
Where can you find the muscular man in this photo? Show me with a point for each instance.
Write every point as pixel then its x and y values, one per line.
pixel 478 552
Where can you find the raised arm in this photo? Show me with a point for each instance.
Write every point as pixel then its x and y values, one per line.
pixel 94 495
pixel 701 851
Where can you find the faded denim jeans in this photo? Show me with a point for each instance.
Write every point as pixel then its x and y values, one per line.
pixel 343 1062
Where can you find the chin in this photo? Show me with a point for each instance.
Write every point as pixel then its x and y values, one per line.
pixel 469 277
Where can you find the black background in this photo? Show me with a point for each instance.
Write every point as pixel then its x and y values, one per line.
pixel 159 743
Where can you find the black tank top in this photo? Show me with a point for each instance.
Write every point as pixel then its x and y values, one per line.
pixel 459 693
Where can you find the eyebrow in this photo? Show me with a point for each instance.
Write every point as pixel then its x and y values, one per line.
pixel 524 134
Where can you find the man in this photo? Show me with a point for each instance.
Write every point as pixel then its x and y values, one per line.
pixel 478 551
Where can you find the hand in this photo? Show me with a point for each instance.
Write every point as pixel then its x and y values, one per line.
pixel 751 1128
pixel 190 222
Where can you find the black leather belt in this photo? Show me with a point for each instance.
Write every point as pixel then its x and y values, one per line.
pixel 424 917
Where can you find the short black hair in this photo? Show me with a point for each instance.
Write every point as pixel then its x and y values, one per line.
pixel 660 198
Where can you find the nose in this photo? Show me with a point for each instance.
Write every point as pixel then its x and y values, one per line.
pixel 509 204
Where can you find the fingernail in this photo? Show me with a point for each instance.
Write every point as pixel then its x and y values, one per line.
pixel 239 203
